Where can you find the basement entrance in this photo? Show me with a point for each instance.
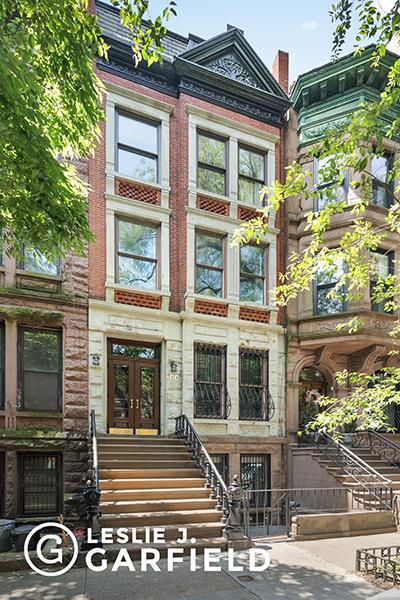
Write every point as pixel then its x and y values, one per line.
pixel 133 387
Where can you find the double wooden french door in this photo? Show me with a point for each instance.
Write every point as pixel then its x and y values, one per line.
pixel 133 387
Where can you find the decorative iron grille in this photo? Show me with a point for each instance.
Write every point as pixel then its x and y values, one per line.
pixel 221 461
pixel 255 475
pixel 255 401
pixel 211 398
pixel 40 484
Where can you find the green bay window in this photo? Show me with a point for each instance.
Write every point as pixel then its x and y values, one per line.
pixel 137 249
pixel 252 274
pixel 382 184
pixel 137 147
pixel 211 163
pixel 252 170
pixel 209 273
pixel 382 266
pixel 39 369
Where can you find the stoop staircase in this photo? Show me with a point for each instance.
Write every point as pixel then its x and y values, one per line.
pixel 153 481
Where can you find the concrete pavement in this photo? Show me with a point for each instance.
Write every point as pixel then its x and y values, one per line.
pixel 297 572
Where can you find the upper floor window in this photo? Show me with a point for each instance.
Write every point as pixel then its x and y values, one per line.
pixel 137 147
pixel 382 266
pixel 137 254
pixel 382 186
pixel 324 180
pixel 39 369
pixel 252 274
pixel 326 284
pixel 210 395
pixel 211 163
pixel 209 264
pixel 36 262
pixel 252 169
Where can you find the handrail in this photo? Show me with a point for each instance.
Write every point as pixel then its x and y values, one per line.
pixel 379 444
pixel 355 458
pixel 185 430
pixel 95 458
pixel 360 471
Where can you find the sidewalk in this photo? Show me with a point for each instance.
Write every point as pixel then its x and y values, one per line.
pixel 298 571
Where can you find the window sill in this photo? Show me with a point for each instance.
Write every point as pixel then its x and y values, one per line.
pixel 45 276
pixel 39 414
pixel 215 299
pixel 152 184
pixel 257 306
pixel 137 290
pixel 212 195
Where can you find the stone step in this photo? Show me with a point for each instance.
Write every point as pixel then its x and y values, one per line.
pixel 119 473
pixel 154 494
pixel 146 457
pixel 132 463
pixel 154 482
pixel 143 451
pixel 139 506
pixel 139 440
pixel 159 519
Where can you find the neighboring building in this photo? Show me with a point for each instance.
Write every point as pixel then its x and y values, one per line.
pixel 43 385
pixel 323 98
pixel 179 320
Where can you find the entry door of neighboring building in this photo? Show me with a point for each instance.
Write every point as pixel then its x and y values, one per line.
pixel 133 387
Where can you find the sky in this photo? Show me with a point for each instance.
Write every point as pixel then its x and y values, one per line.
pixel 301 27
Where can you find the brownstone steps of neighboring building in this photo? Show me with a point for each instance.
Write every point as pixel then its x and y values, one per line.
pixel 135 550
pixel 154 482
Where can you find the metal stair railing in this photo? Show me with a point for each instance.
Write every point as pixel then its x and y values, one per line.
pixel 369 479
pixel 185 430
pixel 378 443
pixel 92 492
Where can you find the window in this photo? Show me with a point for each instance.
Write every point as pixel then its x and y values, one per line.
pixel 39 370
pixel 39 484
pixel 36 262
pixel 251 175
pixel 137 147
pixel 210 395
pixel 137 254
pixel 2 482
pixel 252 274
pixel 382 266
pixel 255 472
pixel 209 265
pixel 255 402
pixel 211 163
pixel 327 280
pixel 330 189
pixel 2 365
pixel 221 461
pixel 382 186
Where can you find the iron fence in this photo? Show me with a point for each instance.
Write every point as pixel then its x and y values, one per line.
pixel 380 563
pixel 2 482
pixel 269 512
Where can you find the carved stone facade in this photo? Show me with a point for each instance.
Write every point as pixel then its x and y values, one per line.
pixel 230 65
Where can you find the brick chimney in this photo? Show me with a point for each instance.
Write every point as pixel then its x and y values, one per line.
pixel 280 69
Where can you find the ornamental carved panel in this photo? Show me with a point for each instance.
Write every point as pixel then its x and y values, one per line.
pixel 231 66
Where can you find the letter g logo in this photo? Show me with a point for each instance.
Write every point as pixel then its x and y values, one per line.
pixel 56 553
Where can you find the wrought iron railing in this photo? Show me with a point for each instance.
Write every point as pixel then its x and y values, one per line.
pixel 379 444
pixel 269 512
pixel 374 484
pixel 185 430
pixel 255 403
pixel 92 491
pixel 381 563
pixel 211 400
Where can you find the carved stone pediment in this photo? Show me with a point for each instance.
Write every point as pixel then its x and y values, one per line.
pixel 230 65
